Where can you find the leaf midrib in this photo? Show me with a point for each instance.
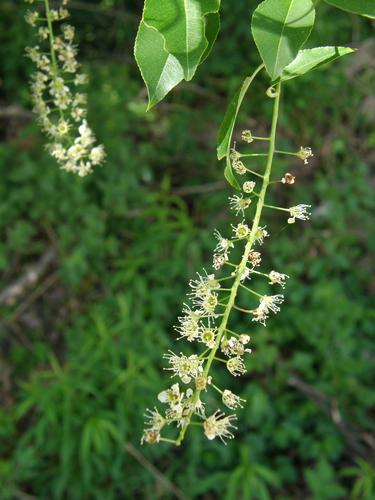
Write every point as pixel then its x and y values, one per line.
pixel 280 39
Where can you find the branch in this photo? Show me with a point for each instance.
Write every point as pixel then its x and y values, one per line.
pixel 31 276
pixel 14 111
pixel 354 437
pixel 154 471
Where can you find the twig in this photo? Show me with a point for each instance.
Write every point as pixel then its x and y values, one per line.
pixel 14 111
pixel 31 276
pixel 40 290
pixel 330 407
pixel 21 495
pixel 154 471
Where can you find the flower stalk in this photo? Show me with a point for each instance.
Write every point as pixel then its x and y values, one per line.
pixel 58 103
pixel 245 256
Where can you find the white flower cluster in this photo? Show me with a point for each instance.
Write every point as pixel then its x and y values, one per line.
pixel 60 106
pixel 234 348
pixel 267 304
pixel 180 404
pixel 221 252
pixel 305 154
pixel 299 212
pixel 219 425
pixel 205 320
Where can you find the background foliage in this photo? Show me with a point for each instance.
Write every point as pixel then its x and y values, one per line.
pixel 81 348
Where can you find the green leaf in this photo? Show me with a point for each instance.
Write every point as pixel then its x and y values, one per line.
pixel 182 24
pixel 211 32
pixel 160 70
pixel 310 59
pixel 280 28
pixel 227 127
pixel 362 7
pixel 228 174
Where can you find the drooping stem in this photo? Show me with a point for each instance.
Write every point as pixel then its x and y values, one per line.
pixel 55 68
pixel 51 36
pixel 242 265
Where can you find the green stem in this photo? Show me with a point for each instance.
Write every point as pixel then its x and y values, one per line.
pixel 260 138
pixel 220 359
pixel 260 274
pixel 55 68
pixel 285 152
pixel 51 37
pixel 254 173
pixel 245 256
pixel 246 311
pixel 247 155
pixel 251 291
pixel 167 440
pixel 277 208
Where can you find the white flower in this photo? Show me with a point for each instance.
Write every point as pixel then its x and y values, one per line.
pixel 288 178
pixel 299 212
pixel 183 366
pixel 245 274
pixel 154 420
pixel 231 400
pixel 63 127
pixel 224 245
pixel 241 231
pixel 196 406
pixel 86 134
pixel 219 260
pixel 43 33
pixel 208 336
pixel 58 152
pixel 76 152
pixel 248 186
pixel 84 168
pixel 218 425
pixel 267 303
pixel 247 136
pixel 81 79
pixel 234 155
pixel 201 382
pixel 78 114
pixel 97 154
pixel 239 167
pixel 255 258
pixel 31 17
pixel 244 339
pixel 189 324
pixel 236 366
pixel 239 203
pixel 150 436
pixel 68 32
pixel 233 347
pixel 305 154
pixel 260 234
pixel 204 285
pixel 207 303
pixel 278 278
pixel 171 396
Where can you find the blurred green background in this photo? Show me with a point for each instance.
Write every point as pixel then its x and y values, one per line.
pixel 81 344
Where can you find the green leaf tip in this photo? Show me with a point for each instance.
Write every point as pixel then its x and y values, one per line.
pixel 279 29
pixel 310 59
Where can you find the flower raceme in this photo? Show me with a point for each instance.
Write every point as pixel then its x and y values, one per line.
pixel 55 88
pixel 212 298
